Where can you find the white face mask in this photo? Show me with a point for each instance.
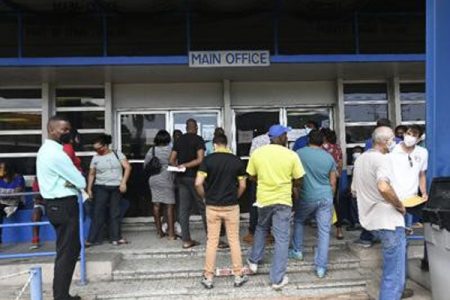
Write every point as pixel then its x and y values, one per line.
pixel 391 146
pixel 409 140
pixel 307 130
pixel 356 155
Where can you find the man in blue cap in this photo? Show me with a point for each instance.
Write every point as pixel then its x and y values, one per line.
pixel 277 170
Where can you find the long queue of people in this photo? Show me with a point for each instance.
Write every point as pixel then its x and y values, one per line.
pixel 292 187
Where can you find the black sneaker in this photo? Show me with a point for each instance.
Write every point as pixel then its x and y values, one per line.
pixel 207 283
pixel 240 280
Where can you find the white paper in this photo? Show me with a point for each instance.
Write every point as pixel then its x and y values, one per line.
pixel 294 134
pixel 245 136
pixel 176 169
pixel 208 132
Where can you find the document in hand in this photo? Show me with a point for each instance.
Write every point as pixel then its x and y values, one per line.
pixel 176 169
pixel 413 201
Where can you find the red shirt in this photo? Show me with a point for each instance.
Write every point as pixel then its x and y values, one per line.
pixel 68 148
pixel 335 151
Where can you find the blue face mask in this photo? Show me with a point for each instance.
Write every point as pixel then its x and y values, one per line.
pixel 307 130
pixel 391 146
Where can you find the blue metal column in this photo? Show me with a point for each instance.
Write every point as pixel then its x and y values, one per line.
pixel 438 87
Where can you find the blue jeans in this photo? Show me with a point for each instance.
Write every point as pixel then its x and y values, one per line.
pixel 323 212
pixel 278 217
pixel 394 253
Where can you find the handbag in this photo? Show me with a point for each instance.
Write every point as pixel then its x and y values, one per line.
pixel 153 167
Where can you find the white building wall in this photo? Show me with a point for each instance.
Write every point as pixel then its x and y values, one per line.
pixel 170 95
pixel 283 93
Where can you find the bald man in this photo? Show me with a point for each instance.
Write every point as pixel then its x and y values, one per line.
pixel 381 211
pixel 59 183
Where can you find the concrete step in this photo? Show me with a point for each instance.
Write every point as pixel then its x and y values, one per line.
pixel 300 285
pixel 99 267
pixel 146 244
pixel 182 267
pixel 416 274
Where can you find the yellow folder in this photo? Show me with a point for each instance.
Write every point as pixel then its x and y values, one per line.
pixel 413 201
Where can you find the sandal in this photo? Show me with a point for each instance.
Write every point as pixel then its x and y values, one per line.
pixel 172 238
pixel 122 242
pixel 190 244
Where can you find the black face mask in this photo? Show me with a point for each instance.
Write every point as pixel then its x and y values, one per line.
pixel 65 138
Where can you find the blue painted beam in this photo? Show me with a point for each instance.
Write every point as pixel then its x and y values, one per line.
pixel 437 87
pixel 184 60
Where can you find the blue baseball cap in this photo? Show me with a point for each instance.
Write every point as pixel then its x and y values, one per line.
pixel 278 130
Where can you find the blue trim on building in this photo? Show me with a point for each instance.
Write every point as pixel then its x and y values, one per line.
pixel 437 87
pixel 184 60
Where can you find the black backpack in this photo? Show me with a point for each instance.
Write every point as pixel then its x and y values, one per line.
pixel 153 167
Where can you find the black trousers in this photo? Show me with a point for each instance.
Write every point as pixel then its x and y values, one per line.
pixel 63 214
pixel 189 198
pixel 106 198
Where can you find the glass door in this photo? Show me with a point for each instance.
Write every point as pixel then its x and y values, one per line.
pixel 207 122
pixel 297 118
pixel 250 123
pixel 137 131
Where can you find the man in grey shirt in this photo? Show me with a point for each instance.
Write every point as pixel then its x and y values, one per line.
pixel 380 210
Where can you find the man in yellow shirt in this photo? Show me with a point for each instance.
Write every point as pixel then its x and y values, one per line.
pixel 277 171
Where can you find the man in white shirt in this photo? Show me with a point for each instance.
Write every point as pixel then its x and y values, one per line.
pixel 410 163
pixel 381 211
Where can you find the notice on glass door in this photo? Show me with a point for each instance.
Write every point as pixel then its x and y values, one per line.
pixel 245 136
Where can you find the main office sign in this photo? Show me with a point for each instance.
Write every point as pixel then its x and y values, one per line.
pixel 235 58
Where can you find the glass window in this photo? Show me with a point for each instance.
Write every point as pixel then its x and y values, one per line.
pixel 19 143
pixel 250 125
pixel 248 29
pixel 413 112
pixel 8 32
pixel 80 97
pixel 138 131
pixel 85 119
pixel 138 34
pixel 20 127
pixel 314 28
pixel 17 99
pixel 412 92
pixel 83 107
pixel 297 118
pixel 365 92
pixel 391 33
pixel 20 120
pixel 358 134
pixel 23 165
pixel 62 35
pixel 207 122
pixel 365 113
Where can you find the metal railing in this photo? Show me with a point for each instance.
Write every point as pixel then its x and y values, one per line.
pixel 34 281
pixel 83 275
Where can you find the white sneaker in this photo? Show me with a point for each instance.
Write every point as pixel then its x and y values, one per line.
pixel 9 210
pixel 279 286
pixel 252 266
pixel 164 227
pixel 177 228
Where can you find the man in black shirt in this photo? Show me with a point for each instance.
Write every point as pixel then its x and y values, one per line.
pixel 188 152
pixel 224 175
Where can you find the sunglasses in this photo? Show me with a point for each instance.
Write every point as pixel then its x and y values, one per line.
pixel 410 161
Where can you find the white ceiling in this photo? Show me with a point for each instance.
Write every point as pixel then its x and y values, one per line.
pixel 158 74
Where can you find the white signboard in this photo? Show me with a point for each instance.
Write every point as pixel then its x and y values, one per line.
pixel 210 59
